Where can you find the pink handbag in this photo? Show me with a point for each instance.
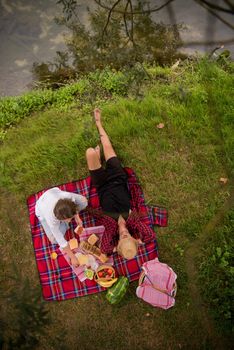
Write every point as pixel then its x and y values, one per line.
pixel 157 284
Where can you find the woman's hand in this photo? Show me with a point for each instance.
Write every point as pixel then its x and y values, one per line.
pixel 78 230
pixel 74 261
pixel 78 220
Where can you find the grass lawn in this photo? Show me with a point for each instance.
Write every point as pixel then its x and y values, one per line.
pixel 179 167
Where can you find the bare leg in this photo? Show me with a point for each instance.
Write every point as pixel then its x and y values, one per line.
pixel 98 151
pixel 107 146
pixel 93 159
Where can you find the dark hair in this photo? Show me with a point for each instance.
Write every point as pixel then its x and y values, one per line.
pixel 65 209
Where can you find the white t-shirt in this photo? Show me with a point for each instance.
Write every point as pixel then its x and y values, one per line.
pixel 44 210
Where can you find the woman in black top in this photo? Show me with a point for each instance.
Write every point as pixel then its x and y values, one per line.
pixel 114 196
pixel 111 181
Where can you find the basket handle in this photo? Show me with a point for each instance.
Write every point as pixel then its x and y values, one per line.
pixel 141 278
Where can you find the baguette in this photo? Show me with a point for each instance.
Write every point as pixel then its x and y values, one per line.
pixel 89 248
pixel 82 259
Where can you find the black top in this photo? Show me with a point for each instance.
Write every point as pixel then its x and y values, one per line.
pixel 111 184
pixel 115 198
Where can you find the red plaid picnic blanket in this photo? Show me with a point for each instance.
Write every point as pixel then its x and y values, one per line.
pixel 56 276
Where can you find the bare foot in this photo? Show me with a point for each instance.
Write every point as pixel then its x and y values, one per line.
pixel 97 115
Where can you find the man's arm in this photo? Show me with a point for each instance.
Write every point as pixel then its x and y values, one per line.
pixel 139 228
pixel 108 239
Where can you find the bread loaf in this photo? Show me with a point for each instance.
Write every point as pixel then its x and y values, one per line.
pixel 88 248
pixel 93 239
pixel 73 243
pixel 82 259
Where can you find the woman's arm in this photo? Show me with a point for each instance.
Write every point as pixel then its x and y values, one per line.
pixel 72 256
pixel 78 220
pixel 79 228
pixel 80 200
pixel 63 244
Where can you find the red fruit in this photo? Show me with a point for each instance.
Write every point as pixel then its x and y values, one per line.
pixel 109 271
pixel 100 274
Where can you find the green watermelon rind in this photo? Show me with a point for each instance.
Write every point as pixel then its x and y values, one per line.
pixel 121 286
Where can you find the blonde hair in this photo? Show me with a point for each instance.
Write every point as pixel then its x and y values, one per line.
pixel 127 248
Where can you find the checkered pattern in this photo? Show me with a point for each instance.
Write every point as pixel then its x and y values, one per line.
pixel 134 224
pixel 56 276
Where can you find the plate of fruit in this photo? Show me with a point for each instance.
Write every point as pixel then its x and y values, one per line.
pixel 105 276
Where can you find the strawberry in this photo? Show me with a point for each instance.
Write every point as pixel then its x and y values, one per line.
pixel 109 271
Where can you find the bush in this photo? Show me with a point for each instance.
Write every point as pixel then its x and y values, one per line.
pixel 99 84
pixel 217 272
pixel 26 317
pixel 111 39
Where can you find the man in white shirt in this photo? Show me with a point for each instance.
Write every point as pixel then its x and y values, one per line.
pixel 55 209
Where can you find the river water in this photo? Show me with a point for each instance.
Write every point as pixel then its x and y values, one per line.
pixel 29 34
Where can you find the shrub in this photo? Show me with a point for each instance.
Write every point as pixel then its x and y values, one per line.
pixel 217 272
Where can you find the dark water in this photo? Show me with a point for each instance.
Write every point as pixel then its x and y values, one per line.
pixel 29 34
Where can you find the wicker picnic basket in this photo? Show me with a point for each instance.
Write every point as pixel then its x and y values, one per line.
pixel 105 281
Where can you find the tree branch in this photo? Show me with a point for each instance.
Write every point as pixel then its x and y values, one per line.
pixel 204 3
pixel 216 7
pixel 131 8
pixel 231 5
pixel 109 16
pixel 98 2
pixel 125 20
pixel 214 14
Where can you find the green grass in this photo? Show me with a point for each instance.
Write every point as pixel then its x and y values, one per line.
pixel 217 272
pixel 178 166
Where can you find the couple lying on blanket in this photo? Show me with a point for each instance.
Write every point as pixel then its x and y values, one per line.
pixel 124 229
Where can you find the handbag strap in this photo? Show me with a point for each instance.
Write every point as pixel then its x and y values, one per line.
pixel 157 288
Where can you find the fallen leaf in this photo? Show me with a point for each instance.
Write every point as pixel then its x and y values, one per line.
pixel 160 126
pixel 175 65
pixel 223 180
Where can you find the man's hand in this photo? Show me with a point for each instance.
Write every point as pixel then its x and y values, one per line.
pixel 74 261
